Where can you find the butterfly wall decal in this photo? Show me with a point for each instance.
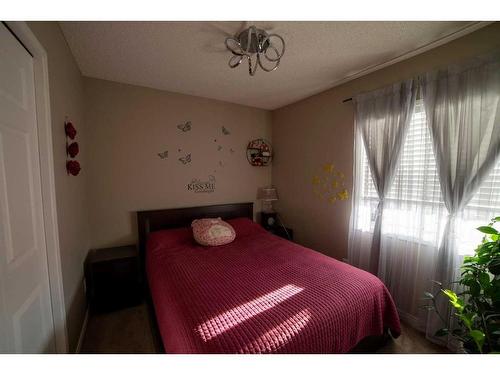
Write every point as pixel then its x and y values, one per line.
pixel 225 131
pixel 185 160
pixel 163 155
pixel 185 127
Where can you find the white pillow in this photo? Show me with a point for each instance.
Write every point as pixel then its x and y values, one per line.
pixel 212 232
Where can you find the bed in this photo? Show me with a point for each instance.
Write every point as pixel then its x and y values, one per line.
pixel 258 294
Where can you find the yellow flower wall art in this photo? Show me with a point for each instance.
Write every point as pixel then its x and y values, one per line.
pixel 329 168
pixel 329 185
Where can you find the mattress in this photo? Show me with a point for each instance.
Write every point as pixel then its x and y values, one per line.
pixel 260 294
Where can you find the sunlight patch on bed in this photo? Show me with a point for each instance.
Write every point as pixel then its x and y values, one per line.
pixel 222 322
pixel 283 333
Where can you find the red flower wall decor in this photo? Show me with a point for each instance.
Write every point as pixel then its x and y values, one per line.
pixel 73 167
pixel 70 130
pixel 73 149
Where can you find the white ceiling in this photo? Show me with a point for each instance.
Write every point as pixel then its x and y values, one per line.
pixel 190 57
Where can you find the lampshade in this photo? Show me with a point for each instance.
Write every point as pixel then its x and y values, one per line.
pixel 267 194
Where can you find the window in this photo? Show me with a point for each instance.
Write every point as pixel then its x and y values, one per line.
pixel 483 206
pixel 414 209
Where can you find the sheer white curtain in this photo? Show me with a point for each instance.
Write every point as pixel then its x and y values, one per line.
pixel 463 116
pixel 382 118
pixel 416 215
pixel 413 219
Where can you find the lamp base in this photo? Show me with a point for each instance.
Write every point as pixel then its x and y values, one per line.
pixel 267 207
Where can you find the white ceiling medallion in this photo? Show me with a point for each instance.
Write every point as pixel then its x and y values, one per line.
pixel 258 47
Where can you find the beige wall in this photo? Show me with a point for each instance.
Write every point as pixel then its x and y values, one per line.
pixel 319 130
pixel 66 99
pixel 128 126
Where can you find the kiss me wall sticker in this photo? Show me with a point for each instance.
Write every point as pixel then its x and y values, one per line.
pixel 329 185
pixel 198 185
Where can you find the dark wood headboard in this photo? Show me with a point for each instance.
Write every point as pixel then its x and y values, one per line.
pixel 149 221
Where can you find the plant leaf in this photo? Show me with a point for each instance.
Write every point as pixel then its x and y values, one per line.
pixel 484 280
pixel 454 300
pixel 467 319
pixel 451 294
pixel 428 295
pixel 475 288
pixel 467 261
pixel 441 332
pixel 478 338
pixel 487 230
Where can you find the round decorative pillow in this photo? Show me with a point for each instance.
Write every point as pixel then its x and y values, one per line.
pixel 212 232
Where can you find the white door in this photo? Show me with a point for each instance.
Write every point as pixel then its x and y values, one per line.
pixel 26 324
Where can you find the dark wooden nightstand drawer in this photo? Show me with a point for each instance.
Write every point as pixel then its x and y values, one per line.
pixel 113 278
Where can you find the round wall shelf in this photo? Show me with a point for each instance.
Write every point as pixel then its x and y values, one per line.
pixel 259 152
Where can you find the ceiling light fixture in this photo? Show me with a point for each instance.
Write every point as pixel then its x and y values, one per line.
pixel 256 46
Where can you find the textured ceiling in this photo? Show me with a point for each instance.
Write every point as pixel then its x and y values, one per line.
pixel 190 57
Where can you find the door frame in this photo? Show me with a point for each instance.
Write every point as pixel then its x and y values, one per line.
pixel 44 127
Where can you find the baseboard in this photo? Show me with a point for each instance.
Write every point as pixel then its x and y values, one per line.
pixel 82 332
pixel 411 321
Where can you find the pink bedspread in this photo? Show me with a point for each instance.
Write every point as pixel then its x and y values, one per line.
pixel 261 294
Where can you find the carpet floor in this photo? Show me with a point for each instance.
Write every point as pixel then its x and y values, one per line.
pixel 128 331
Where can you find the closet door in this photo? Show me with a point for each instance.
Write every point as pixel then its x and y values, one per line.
pixel 26 324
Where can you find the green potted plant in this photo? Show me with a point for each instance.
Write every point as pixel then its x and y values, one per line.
pixel 477 306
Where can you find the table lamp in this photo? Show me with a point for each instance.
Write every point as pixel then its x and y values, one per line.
pixel 267 195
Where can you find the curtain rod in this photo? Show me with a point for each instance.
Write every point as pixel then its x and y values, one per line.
pixel 346 100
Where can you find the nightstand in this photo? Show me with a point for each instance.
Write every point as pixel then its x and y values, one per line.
pixel 113 278
pixel 270 222
pixel 279 231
